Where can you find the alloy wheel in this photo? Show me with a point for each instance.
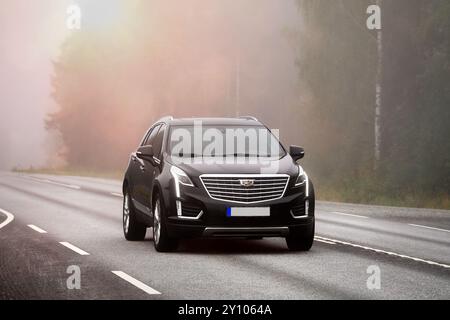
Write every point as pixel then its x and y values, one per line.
pixel 157 222
pixel 126 213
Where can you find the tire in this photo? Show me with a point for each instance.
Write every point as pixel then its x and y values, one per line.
pixel 133 229
pixel 161 239
pixel 304 242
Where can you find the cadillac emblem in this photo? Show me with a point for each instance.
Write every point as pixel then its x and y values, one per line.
pixel 247 183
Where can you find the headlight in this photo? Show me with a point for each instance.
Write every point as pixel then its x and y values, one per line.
pixel 180 177
pixel 302 179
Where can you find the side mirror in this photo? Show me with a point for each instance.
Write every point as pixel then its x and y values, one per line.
pixel 145 153
pixel 296 153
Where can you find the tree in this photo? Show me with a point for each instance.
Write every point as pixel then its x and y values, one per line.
pixel 340 64
pixel 337 67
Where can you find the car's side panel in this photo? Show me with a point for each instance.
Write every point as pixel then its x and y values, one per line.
pixel 144 178
pixel 155 165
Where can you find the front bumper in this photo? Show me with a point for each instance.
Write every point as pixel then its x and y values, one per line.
pixel 214 222
pixel 196 231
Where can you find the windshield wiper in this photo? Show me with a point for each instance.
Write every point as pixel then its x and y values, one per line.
pixel 188 155
pixel 246 155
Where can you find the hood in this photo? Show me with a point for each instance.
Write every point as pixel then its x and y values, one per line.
pixel 196 167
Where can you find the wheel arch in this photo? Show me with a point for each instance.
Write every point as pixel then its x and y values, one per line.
pixel 312 199
pixel 156 190
pixel 124 185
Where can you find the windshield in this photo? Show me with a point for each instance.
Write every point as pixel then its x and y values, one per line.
pixel 223 141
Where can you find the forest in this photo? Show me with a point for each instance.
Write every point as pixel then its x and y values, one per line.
pixel 228 59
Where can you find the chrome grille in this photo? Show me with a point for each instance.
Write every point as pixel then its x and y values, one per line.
pixel 245 188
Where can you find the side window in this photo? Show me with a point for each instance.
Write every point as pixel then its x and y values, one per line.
pixel 151 136
pixel 157 144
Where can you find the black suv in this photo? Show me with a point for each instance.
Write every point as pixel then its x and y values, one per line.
pixel 216 177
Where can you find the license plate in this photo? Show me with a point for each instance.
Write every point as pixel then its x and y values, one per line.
pixel 248 212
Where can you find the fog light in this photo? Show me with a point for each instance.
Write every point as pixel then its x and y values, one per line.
pixel 179 211
pixel 306 207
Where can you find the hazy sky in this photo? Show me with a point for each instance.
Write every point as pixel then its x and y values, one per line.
pixel 30 35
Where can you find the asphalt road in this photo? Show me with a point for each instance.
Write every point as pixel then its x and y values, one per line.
pixel 49 223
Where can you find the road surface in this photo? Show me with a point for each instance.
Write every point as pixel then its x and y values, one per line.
pixel 52 225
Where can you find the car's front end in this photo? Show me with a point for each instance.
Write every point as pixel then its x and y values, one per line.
pixel 238 204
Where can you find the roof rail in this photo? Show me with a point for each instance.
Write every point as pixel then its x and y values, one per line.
pixel 166 118
pixel 248 118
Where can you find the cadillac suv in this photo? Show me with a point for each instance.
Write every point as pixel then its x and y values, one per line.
pixel 216 177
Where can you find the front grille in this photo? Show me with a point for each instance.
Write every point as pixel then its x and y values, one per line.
pixel 245 188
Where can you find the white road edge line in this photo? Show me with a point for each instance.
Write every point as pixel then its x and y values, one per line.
pixel 324 241
pixel 117 194
pixel 349 214
pixel 35 228
pixel 9 218
pixel 74 248
pixel 426 227
pixel 71 186
pixel 386 252
pixel 136 282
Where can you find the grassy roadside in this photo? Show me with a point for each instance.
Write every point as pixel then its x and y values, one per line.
pixel 407 199
pixel 358 193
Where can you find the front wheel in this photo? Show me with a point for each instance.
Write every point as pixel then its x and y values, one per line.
pixel 302 242
pixel 133 230
pixel 161 239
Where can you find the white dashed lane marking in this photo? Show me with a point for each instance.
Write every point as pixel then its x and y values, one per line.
pixel 35 228
pixel 70 186
pixel 349 215
pixel 136 282
pixel 117 194
pixel 74 248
